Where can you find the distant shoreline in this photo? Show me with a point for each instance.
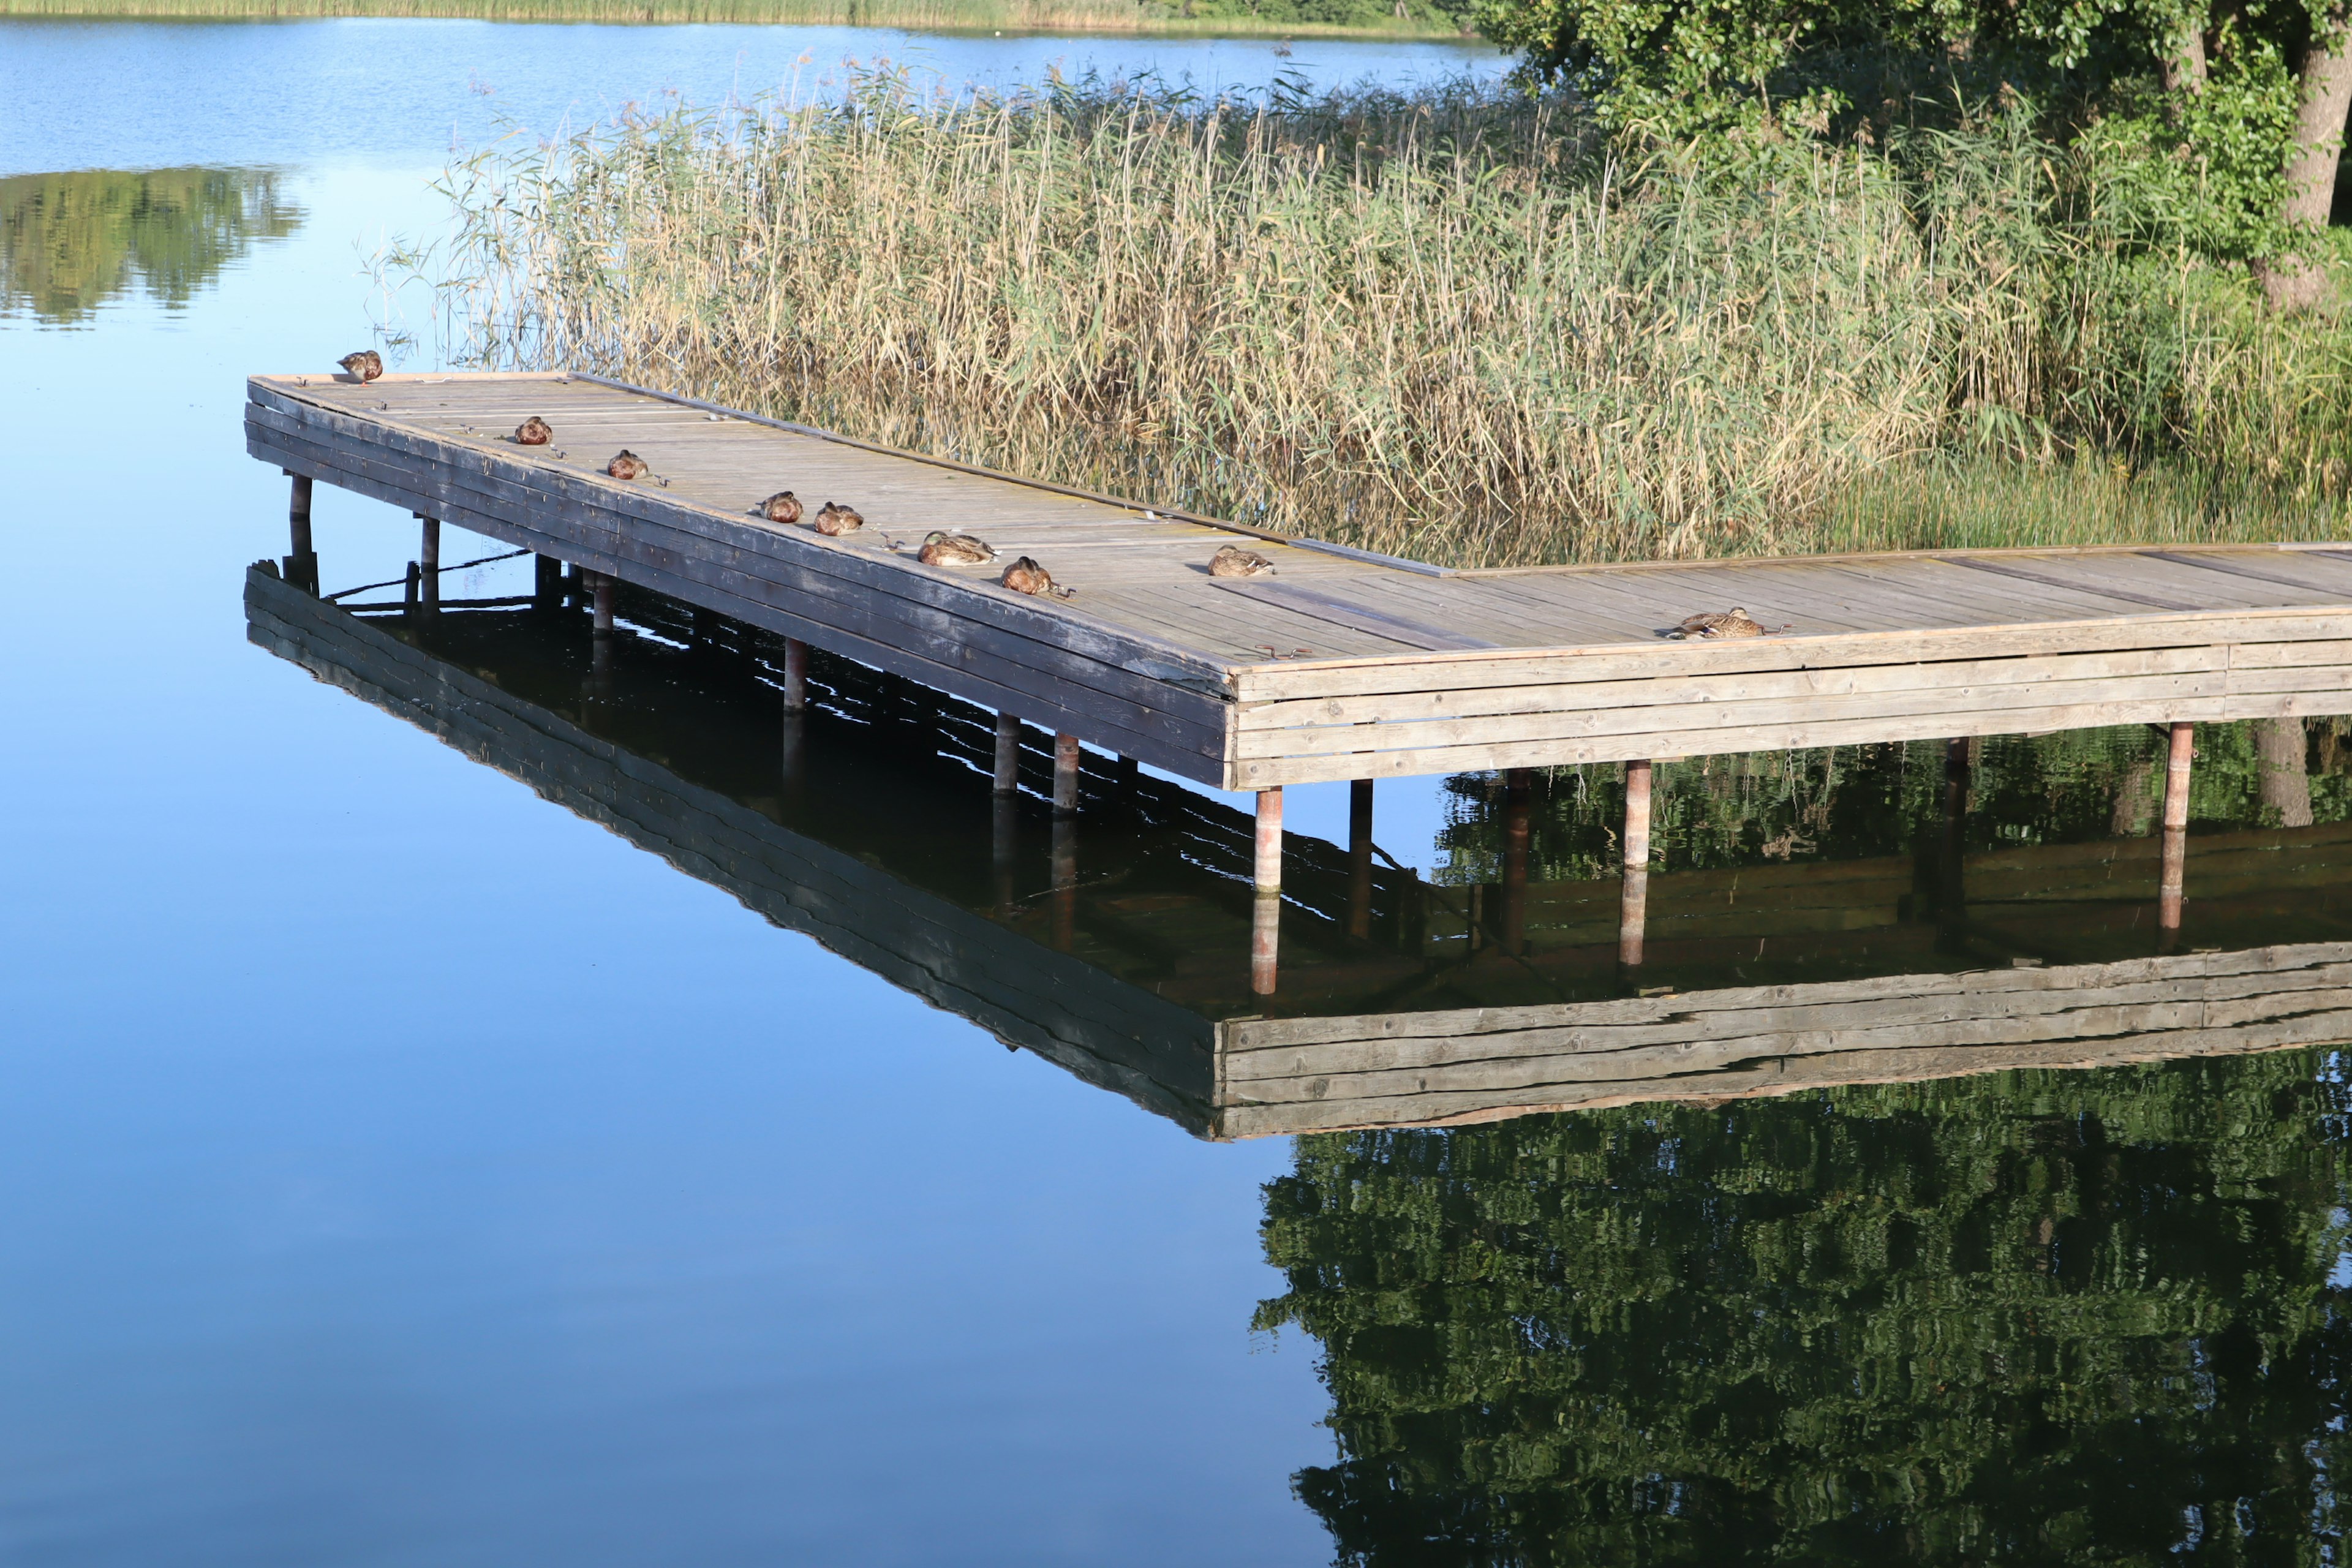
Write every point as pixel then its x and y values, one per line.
pixel 1073 16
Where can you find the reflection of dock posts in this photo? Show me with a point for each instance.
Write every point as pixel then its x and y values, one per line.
pixel 599 658
pixel 408 592
pixel 301 559
pixel 1359 859
pixel 1065 775
pixel 546 583
pixel 1951 890
pixel 1006 779
pixel 1066 881
pixel 1516 831
pixel 796 677
pixel 1633 900
pixel 1266 920
pixel 1005 811
pixel 2171 885
pixel 429 558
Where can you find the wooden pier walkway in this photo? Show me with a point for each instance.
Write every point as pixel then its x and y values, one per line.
pixel 1133 978
pixel 1342 665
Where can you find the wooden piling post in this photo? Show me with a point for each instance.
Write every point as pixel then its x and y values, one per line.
pixel 603 588
pixel 428 558
pixel 1065 775
pixel 2171 887
pixel 1006 780
pixel 546 582
pixel 1065 882
pixel 1359 859
pixel 1516 810
pixel 408 591
pixel 1951 861
pixel 795 675
pixel 1268 874
pixel 301 559
pixel 1634 901
pixel 1005 825
pixel 1265 940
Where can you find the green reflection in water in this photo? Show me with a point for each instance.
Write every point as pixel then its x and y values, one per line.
pixel 2033 1316
pixel 71 242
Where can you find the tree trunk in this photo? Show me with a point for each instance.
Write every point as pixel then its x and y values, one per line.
pixel 2286 786
pixel 2293 281
pixel 2185 72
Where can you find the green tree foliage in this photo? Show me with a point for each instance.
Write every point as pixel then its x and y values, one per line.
pixel 70 242
pixel 2035 1317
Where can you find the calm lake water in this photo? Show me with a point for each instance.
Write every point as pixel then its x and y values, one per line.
pixel 417 1147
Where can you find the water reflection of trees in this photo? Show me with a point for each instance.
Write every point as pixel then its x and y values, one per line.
pixel 1854 802
pixel 2033 1316
pixel 70 242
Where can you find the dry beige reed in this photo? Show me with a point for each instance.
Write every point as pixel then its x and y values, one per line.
pixel 1451 326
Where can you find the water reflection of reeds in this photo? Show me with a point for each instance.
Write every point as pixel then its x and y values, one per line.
pixel 73 242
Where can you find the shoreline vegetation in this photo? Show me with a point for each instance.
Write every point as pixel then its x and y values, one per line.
pixel 1461 323
pixel 1360 19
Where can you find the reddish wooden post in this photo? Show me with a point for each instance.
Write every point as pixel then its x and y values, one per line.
pixel 1634 902
pixel 795 675
pixel 1006 779
pixel 1065 775
pixel 1265 921
pixel 1359 859
pixel 2171 885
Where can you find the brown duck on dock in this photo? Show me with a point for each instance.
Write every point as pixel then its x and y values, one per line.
pixel 362 366
pixel 1736 623
pixel 833 519
pixel 945 549
pixel 1026 577
pixel 628 465
pixel 782 507
pixel 534 432
pixel 1233 561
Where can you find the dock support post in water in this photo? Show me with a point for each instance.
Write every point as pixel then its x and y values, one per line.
pixel 428 558
pixel 1065 775
pixel 602 584
pixel 1516 830
pixel 1359 859
pixel 1003 824
pixel 1633 900
pixel 301 559
pixel 1265 922
pixel 1065 882
pixel 2171 885
pixel 1006 780
pixel 1951 891
pixel 546 583
pixel 796 677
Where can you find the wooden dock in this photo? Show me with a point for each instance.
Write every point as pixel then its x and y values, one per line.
pixel 1342 665
pixel 1117 946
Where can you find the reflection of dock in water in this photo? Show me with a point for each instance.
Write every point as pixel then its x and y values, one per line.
pixel 1116 943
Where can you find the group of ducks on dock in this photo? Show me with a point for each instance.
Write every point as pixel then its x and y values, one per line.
pixel 946 548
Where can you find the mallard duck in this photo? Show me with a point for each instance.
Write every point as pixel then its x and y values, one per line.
pixel 1026 577
pixel 534 432
pixel 1733 624
pixel 364 366
pixel 835 519
pixel 1233 561
pixel 782 507
pixel 945 549
pixel 628 465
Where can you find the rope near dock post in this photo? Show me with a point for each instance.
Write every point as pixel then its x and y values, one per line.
pixel 1359 859
pixel 1266 915
pixel 1633 900
pixel 2172 883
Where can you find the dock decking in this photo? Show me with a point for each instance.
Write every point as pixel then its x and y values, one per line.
pixel 1342 665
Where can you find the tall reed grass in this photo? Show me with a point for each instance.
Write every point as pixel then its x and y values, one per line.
pixel 1139 17
pixel 1454 325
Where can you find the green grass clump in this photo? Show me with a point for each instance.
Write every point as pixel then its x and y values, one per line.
pixel 1457 325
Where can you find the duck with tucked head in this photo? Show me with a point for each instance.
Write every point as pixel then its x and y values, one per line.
pixel 833 519
pixel 782 507
pixel 945 549
pixel 628 465
pixel 1737 623
pixel 534 432
pixel 1233 561
pixel 363 366
pixel 1026 577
